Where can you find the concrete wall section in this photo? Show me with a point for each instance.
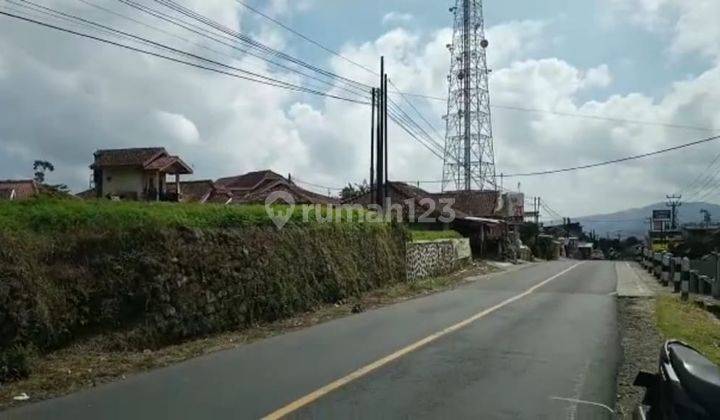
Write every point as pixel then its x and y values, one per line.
pixel 119 181
pixel 436 258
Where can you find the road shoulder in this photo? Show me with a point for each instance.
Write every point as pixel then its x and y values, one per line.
pixel 640 339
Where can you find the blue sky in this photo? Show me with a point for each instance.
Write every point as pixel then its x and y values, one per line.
pixel 585 33
pixel 650 60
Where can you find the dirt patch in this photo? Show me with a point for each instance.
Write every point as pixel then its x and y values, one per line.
pixel 92 361
pixel 641 342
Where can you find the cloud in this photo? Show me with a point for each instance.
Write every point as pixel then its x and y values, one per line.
pixel 598 76
pixel 514 40
pixel 179 127
pixel 396 18
pixel 693 24
pixel 63 97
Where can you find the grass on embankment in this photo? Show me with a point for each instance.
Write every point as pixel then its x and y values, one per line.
pixel 46 215
pixel 688 322
pixel 434 235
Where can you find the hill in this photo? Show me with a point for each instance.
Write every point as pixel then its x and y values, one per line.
pixel 634 222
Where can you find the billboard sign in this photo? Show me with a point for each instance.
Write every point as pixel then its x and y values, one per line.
pixel 662 215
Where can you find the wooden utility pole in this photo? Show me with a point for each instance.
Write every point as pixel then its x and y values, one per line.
pixel 372 142
pixel 385 136
pixel 381 131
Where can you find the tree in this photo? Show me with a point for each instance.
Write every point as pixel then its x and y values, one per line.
pixel 352 191
pixel 40 167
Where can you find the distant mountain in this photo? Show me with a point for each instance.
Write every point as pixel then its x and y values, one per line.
pixel 633 222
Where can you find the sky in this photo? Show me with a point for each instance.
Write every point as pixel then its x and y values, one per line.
pixel 62 97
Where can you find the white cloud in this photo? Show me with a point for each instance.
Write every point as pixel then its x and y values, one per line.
pixel 514 40
pixel 396 18
pixel 179 127
pixel 693 24
pixel 94 96
pixel 598 77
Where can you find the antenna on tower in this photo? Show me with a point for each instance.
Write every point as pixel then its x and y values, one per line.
pixel 469 160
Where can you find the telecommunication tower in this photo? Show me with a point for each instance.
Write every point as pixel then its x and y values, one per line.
pixel 469 160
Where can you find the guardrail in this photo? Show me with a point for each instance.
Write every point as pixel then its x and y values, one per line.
pixel 675 271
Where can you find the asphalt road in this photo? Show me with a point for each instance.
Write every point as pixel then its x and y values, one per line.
pixel 548 351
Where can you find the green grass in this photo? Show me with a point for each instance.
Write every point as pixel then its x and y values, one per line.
pixel 434 235
pixel 687 322
pixel 54 215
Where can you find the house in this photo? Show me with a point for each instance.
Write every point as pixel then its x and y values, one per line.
pixel 137 174
pixel 18 189
pixel 204 191
pixel 465 204
pixel 255 187
pixel 483 216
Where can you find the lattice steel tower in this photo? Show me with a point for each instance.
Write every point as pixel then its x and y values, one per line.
pixel 469 154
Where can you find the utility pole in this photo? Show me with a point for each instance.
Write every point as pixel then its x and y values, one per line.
pixel 537 210
pixel 385 134
pixel 380 130
pixel 372 142
pixel 674 202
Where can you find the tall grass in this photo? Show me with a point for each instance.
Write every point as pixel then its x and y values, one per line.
pixel 55 215
pixel 434 235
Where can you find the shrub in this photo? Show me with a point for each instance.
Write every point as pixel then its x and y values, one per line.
pixel 14 363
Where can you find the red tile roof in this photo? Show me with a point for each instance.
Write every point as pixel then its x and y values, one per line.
pixel 150 158
pixel 474 203
pixel 18 189
pixel 466 203
pixel 87 194
pixel 200 192
pixel 169 164
pixel 127 157
pixel 300 195
pixel 248 181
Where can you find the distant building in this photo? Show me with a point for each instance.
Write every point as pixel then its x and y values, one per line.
pixel 567 229
pixel 488 218
pixel 205 191
pixel 13 190
pixel 137 174
pixel 255 187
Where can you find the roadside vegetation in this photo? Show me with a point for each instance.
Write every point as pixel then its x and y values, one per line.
pixel 688 322
pixel 434 235
pixel 98 359
pixel 63 215
pixel 154 275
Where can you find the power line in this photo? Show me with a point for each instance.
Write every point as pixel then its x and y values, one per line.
pixel 506 107
pixel 577 115
pixel 422 117
pixel 172 5
pixel 324 187
pixel 697 185
pixel 350 89
pixel 306 38
pixel 253 77
pixel 230 41
pixel 613 161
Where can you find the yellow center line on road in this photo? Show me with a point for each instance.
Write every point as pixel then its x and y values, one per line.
pixel 319 393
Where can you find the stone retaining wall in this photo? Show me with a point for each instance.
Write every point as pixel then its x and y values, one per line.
pixel 436 258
